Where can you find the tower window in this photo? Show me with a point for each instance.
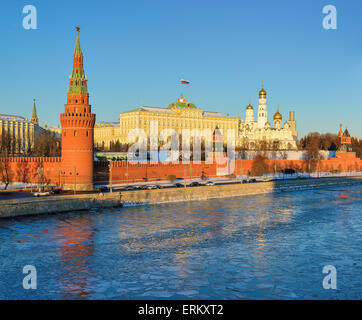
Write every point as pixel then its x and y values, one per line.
pixel 86 133
pixel 76 101
pixel 75 133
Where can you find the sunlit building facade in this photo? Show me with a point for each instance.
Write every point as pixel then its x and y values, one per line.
pixel 22 132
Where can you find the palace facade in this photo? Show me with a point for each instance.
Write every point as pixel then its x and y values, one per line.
pixel 178 115
pixel 22 132
pixel 182 114
pixel 105 133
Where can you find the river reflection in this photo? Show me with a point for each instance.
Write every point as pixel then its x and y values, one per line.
pixel 75 241
pixel 269 246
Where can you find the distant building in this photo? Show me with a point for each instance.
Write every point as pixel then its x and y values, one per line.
pixel 105 133
pixel 252 132
pixel 22 131
pixel 346 141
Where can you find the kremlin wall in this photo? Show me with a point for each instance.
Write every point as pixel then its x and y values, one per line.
pixel 77 167
pixel 27 170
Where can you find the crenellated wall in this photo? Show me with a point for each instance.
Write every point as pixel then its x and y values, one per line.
pixel 29 169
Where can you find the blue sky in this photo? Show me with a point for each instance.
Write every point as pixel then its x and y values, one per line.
pixel 137 51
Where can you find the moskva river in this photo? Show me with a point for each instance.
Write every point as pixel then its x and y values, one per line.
pixel 271 246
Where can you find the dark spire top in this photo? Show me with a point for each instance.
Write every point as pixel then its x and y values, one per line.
pixel 346 133
pixel 34 116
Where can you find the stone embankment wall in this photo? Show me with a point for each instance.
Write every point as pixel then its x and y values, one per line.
pixel 34 206
pixel 231 190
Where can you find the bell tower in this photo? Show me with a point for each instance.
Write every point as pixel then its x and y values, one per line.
pixel 262 110
pixel 77 123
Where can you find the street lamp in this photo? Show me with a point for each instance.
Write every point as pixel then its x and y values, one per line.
pixel 40 177
pixel 110 166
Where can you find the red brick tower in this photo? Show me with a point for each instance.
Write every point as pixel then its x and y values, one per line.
pixel 77 129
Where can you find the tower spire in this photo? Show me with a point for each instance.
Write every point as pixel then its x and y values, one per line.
pixel 78 81
pixel 34 116
pixel 77 49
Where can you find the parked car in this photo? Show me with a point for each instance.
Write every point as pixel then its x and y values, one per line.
pixel 195 184
pixel 103 189
pixel 41 193
pixel 252 180
pixel 56 191
pixel 158 186
pixel 151 187
pixel 209 183
pixel 179 185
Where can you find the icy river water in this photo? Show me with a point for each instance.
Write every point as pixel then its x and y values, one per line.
pixel 270 246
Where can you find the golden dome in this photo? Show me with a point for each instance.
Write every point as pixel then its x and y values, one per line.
pixel 249 107
pixel 262 92
pixel 278 116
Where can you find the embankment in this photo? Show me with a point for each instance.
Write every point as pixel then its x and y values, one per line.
pixel 34 206
pixel 230 190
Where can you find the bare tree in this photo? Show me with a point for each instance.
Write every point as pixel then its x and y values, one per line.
pixel 260 165
pixel 6 174
pixel 47 144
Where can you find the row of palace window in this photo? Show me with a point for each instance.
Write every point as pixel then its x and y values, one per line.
pixel 185 124
pixel 75 133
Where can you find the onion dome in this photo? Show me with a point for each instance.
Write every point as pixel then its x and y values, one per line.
pixel 278 116
pixel 249 107
pixel 262 92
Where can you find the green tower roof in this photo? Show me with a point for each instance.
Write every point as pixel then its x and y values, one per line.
pixel 77 49
pixel 78 81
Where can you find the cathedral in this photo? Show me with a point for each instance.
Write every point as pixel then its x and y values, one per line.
pixel 260 133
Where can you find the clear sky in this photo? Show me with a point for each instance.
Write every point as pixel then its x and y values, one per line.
pixel 135 53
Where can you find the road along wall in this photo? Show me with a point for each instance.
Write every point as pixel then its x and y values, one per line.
pixel 230 190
